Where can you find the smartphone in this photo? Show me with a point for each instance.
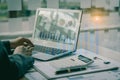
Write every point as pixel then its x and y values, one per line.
pixel 85 59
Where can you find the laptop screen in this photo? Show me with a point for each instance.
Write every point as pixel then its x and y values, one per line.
pixel 57 28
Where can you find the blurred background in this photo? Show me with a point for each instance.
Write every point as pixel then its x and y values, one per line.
pixel 100 28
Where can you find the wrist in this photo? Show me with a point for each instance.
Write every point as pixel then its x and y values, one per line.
pixel 12 45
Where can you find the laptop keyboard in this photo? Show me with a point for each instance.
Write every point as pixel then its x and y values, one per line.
pixel 48 50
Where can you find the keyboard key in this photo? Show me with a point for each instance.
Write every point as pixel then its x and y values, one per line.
pixel 48 50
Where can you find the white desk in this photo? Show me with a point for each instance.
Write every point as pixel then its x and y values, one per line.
pixel 106 75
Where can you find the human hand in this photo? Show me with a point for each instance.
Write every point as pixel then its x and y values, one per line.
pixel 22 56
pixel 20 41
pixel 26 50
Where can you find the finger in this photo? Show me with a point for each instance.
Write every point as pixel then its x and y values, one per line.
pixel 29 42
pixel 29 48
pixel 25 43
pixel 28 53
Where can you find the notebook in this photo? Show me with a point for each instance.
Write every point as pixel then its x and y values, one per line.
pixel 55 69
pixel 63 67
pixel 71 64
pixel 56 33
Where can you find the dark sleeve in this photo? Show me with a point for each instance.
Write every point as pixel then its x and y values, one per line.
pixel 7 46
pixel 23 63
pixel 14 66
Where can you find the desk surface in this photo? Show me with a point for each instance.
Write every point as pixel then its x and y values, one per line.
pixel 106 75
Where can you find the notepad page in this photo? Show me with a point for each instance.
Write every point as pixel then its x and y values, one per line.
pixel 67 63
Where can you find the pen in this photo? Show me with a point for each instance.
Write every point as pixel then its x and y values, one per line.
pixel 69 70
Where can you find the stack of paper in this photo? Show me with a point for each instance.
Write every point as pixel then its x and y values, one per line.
pixel 49 71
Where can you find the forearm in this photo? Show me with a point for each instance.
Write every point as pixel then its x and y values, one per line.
pixel 22 62
pixel 14 66
pixel 13 45
pixel 8 69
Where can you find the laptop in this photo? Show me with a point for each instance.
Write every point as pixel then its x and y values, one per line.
pixel 56 33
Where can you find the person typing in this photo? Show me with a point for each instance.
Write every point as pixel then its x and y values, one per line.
pixel 13 65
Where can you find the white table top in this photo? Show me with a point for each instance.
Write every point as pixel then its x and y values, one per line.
pixel 106 75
